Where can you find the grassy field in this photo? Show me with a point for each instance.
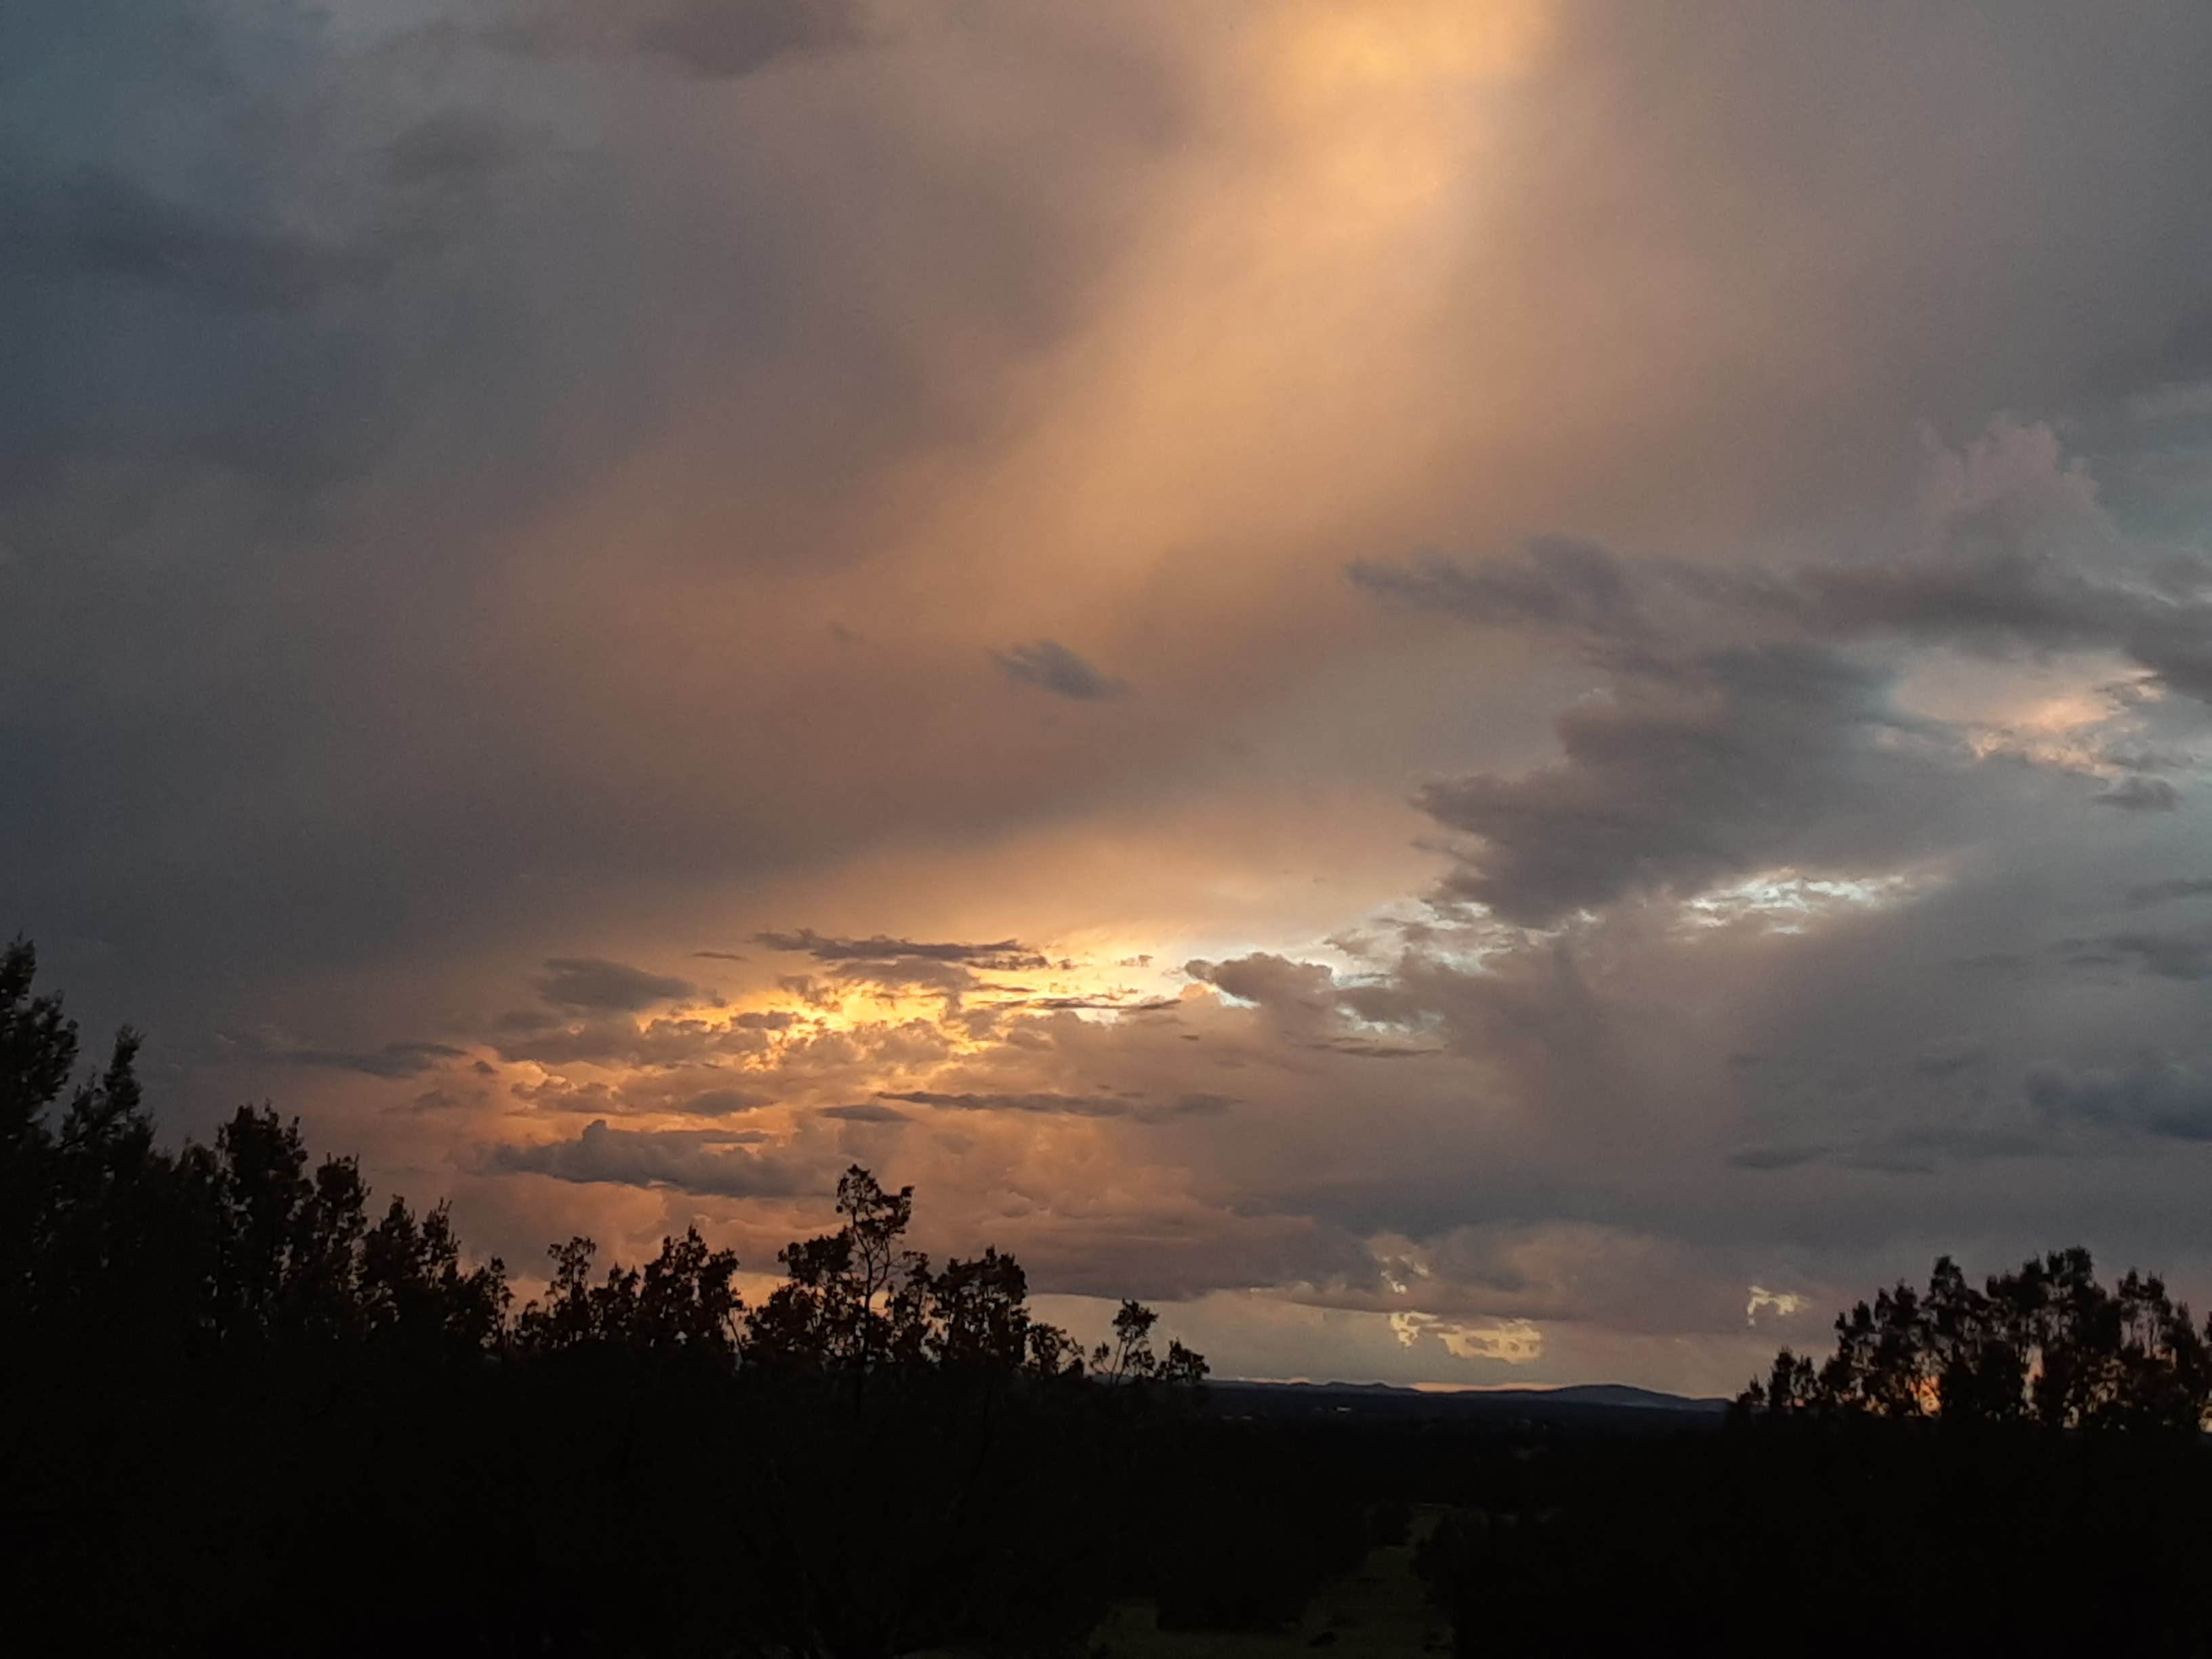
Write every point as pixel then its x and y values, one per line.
pixel 1379 1612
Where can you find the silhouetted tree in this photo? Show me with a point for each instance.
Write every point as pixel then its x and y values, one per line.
pixel 38 1053
pixel 2047 1344
pixel 1128 1356
pixel 980 1309
pixel 682 1302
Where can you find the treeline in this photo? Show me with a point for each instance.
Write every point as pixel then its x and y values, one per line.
pixel 2047 1344
pixel 105 1236
pixel 2017 1467
pixel 243 1410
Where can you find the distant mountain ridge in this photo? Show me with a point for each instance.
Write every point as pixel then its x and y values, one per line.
pixel 1611 1396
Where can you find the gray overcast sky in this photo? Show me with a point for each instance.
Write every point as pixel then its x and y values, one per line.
pixel 1503 693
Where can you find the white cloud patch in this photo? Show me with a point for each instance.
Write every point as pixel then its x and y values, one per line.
pixel 1783 1304
pixel 1509 1341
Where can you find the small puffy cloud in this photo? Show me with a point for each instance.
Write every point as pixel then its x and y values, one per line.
pixel 1051 666
pixel 1780 1303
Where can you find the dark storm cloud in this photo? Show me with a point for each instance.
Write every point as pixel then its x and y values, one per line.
pixel 1273 982
pixel 719 39
pixel 1690 774
pixel 390 1061
pixel 2174 887
pixel 1366 1049
pixel 449 147
pixel 865 1112
pixel 2153 1094
pixel 1777 1157
pixel 722 1102
pixel 1051 666
pixel 2007 574
pixel 2166 956
pixel 2136 793
pixel 97 224
pixel 692 1161
pixel 1743 723
pixel 300 301
pixel 1949 1056
pixel 1557 583
pixel 593 982
pixel 1917 1151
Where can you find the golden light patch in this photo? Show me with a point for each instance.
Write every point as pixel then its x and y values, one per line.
pixel 1332 48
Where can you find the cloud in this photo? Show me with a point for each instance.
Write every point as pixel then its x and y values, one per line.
pixel 1777 1157
pixel 2152 1094
pixel 724 1102
pixel 317 567
pixel 1512 1342
pixel 392 1060
pixel 447 147
pixel 1781 1304
pixel 1747 714
pixel 99 224
pixel 2174 887
pixel 1118 1002
pixel 1685 773
pixel 1273 982
pixel 865 1112
pixel 1002 956
pixel 1051 666
pixel 1948 1057
pixel 2135 793
pixel 1051 1104
pixel 702 1162
pixel 446 1099
pixel 717 39
pixel 2167 955
pixel 593 983
pixel 1558 583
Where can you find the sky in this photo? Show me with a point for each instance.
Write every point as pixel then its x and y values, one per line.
pixel 1478 693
